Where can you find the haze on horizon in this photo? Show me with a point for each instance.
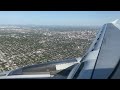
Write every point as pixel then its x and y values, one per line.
pixel 58 17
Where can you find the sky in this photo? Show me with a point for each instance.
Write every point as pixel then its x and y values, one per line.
pixel 58 17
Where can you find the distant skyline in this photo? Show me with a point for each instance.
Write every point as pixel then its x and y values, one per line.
pixel 58 17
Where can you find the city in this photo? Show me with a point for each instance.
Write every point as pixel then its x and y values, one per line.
pixel 22 45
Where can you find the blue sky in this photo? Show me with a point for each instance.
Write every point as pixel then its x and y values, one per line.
pixel 58 17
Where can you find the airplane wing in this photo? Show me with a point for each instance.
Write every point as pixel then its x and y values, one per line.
pixel 103 57
pixel 101 61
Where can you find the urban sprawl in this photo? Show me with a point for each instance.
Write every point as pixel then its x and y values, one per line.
pixel 22 45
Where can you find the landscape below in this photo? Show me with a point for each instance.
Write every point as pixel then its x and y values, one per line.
pixel 22 45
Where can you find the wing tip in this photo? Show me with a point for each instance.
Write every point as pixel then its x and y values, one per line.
pixel 115 21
